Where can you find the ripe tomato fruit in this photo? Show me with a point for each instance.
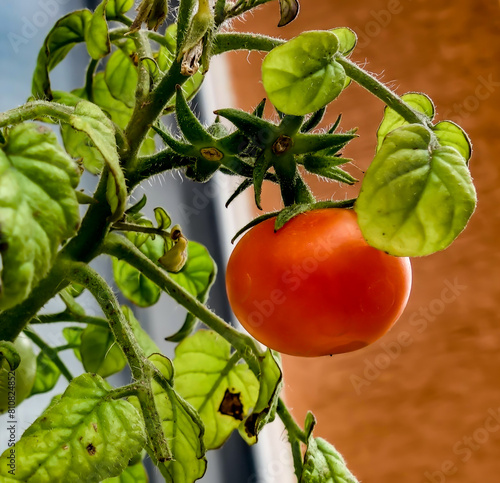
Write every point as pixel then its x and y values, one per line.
pixel 18 383
pixel 315 287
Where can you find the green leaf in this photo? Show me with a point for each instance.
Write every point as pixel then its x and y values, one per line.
pixel 73 336
pixel 313 121
pixel 415 198
pixel 114 108
pixel 451 134
pixel 100 352
pixel 392 120
pixel 47 374
pixel 143 339
pixel 84 437
pixel 162 218
pixel 77 144
pixel 209 379
pixel 132 474
pixel 327 166
pixel 191 127
pixel 203 290
pixel 92 121
pixel 347 40
pixel 9 356
pixel 121 75
pixel 132 283
pixel 96 35
pixel 197 275
pixel 324 464
pixel 182 428
pixel 38 207
pixel 262 164
pixel 271 382
pixel 115 8
pixel 302 76
pixel 66 33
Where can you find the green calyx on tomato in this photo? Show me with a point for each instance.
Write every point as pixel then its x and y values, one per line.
pixel 15 386
pixel 315 287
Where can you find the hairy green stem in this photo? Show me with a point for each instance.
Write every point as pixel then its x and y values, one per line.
pixel 124 391
pixel 185 12
pixel 67 316
pixel 50 352
pixel 71 304
pixel 141 370
pixel 380 90
pixel 148 166
pixel 34 110
pixel 225 42
pixel 121 226
pixel 295 436
pixel 143 51
pixel 118 33
pixel 124 20
pixel 293 429
pixel 84 275
pixel 123 249
pixel 146 112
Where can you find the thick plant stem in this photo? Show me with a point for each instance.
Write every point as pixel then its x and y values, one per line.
pixel 147 111
pixel 121 248
pixel 35 109
pixel 97 286
pixel 378 89
pixel 140 368
pixel 143 51
pixel 228 41
pixel 148 166
pixel 84 247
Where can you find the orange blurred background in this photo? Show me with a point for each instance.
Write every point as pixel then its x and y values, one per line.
pixel 422 404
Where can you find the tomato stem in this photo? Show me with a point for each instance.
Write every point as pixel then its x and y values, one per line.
pixel 380 90
pixel 295 432
pixel 120 247
pixel 50 352
pixel 66 316
pixel 35 110
pixel 139 365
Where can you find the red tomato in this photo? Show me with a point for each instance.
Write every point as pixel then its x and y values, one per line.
pixel 315 287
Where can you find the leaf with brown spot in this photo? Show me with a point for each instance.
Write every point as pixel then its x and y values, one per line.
pixel 69 435
pixel 231 405
pixel 209 377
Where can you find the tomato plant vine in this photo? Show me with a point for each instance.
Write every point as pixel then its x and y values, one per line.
pixel 416 198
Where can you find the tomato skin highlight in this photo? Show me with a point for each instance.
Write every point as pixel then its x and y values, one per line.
pixel 315 287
